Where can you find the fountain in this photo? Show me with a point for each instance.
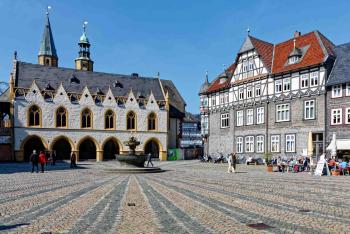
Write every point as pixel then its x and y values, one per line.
pixel 132 162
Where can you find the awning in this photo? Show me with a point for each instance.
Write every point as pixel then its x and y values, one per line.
pixel 342 144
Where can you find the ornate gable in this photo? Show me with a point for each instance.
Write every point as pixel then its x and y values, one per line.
pixel 61 95
pixel 131 102
pixel 86 98
pixel 152 103
pixel 109 99
pixel 34 94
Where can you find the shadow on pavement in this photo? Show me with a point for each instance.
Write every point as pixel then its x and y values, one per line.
pixel 8 227
pixel 9 168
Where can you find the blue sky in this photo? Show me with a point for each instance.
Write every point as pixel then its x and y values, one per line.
pixel 180 39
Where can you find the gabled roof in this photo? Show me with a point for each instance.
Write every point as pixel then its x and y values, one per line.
pixel 47 45
pixel 340 73
pixel 74 81
pixel 319 49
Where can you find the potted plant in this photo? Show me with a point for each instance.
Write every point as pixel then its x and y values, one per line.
pixel 268 162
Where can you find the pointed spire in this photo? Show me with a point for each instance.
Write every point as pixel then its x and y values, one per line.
pixel 248 31
pixel 84 38
pixel 47 45
pixel 206 77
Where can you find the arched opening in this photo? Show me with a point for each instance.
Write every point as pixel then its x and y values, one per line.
pixel 61 117
pixel 87 150
pixel 86 118
pixel 152 121
pixel 33 143
pixel 153 148
pixel 110 149
pixel 131 121
pixel 109 120
pixel 62 149
pixel 34 116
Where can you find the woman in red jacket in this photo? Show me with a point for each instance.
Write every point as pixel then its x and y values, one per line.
pixel 42 160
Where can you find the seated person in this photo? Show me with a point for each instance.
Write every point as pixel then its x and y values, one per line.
pixel 331 164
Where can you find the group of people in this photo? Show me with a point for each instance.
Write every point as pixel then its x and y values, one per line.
pixel 44 158
pixel 342 165
pixel 292 165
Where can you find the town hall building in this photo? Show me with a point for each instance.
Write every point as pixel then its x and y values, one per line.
pixel 66 110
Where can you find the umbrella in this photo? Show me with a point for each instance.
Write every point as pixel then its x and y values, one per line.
pixel 310 148
pixel 334 146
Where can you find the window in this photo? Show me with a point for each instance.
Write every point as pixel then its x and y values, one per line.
pixel 213 101
pixel 314 79
pixel 152 121
pixel 205 125
pixel 293 59
pixel 109 120
pixel 309 109
pixel 348 89
pixel 34 114
pixel 257 91
pixel 239 145
pixel 239 118
pixel 61 117
pixel 275 143
pixel 347 117
pixel 131 121
pixel 336 91
pixel 251 64
pixel 286 84
pixel 222 98
pixel 226 98
pixel 336 116
pixel 205 102
pixel 282 112
pixel 245 66
pixel 260 115
pixel 260 144
pixel 249 144
pixel 250 116
pixel 249 92
pixel 241 94
pixel 225 120
pixel 86 119
pixel 290 143
pixel 304 80
pixel 278 86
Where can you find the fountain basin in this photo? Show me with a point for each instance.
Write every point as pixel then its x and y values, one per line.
pixel 135 160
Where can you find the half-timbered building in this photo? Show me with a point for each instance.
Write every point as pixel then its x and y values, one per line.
pixel 269 98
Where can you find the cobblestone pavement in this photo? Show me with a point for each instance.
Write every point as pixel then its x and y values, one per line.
pixel 190 197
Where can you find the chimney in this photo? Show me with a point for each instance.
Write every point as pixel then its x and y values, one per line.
pixel 297 34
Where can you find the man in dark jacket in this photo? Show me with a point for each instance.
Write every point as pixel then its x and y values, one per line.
pixel 34 158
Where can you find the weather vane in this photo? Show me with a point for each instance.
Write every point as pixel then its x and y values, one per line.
pixel 48 10
pixel 84 25
pixel 248 30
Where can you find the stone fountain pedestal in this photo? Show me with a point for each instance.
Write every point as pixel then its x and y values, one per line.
pixel 132 163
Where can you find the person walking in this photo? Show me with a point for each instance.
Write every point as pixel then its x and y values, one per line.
pixel 34 158
pixel 73 159
pixel 42 160
pixel 230 164
pixel 234 161
pixel 149 159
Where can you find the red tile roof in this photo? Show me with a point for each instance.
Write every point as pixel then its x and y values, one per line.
pixel 265 50
pixel 275 58
pixel 314 54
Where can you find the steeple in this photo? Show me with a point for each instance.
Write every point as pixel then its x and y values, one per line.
pixel 47 53
pixel 84 62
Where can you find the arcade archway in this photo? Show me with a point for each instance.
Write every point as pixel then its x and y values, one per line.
pixel 87 150
pixel 32 143
pixel 110 149
pixel 152 147
pixel 62 148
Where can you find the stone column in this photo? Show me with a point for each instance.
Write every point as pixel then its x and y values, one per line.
pixel 76 154
pixel 163 156
pixel 99 155
pixel 19 155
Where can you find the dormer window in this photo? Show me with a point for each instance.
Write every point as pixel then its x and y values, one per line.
pixel 295 55
pixel 293 59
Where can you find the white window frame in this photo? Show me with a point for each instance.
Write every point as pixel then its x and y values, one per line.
pixel 250 65
pixel 257 90
pixel 260 115
pixel 225 120
pixel 250 116
pixel 239 144
pixel 347 116
pixel 309 109
pixel 241 94
pixel 227 100
pixel 336 113
pixel 337 91
pixel 249 92
pixel 293 59
pixel 249 144
pixel 240 117
pixel 304 81
pixel 260 144
pixel 213 100
pixel 286 84
pixel 245 66
pixel 290 143
pixel 222 99
pixel 314 79
pixel 283 112
pixel 348 89
pixel 275 143
pixel 278 86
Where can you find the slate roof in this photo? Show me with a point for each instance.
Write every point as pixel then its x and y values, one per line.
pixel 177 103
pixel 5 96
pixel 341 70
pixel 74 81
pixel 47 45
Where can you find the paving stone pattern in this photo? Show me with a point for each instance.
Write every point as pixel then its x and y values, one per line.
pixel 190 197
